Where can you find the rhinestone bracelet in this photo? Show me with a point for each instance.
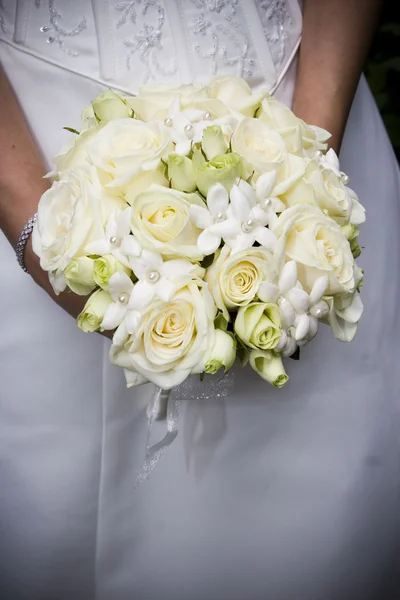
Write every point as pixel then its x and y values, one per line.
pixel 23 238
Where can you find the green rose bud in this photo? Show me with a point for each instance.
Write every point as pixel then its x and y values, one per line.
pixel 79 275
pixel 104 267
pixel 258 325
pixel 180 173
pixel 213 142
pixel 352 232
pixel 269 366
pixel 109 106
pixel 223 353
pixel 93 313
pixel 225 169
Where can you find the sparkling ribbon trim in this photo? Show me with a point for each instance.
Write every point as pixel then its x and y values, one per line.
pixel 166 403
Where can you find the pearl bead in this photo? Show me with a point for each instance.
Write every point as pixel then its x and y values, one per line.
pixel 188 129
pixel 168 122
pixel 207 116
pixel 51 39
pixel 220 217
pixel 113 240
pixel 153 276
pixel 248 225
pixel 345 178
pixel 123 299
pixel 266 203
pixel 318 312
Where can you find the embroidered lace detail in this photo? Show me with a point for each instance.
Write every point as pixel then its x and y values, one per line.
pixel 274 15
pixel 146 42
pixel 223 39
pixel 57 31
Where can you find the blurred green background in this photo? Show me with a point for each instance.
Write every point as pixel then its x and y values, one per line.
pixel 383 70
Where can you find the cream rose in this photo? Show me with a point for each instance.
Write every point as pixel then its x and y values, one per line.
pixel 261 148
pixel 90 318
pixel 153 102
pixel 234 280
pixel 258 325
pixel 71 214
pixel 319 247
pixel 108 106
pixel 235 93
pixel 161 221
pixel 172 339
pixel 297 134
pixel 74 152
pixel 268 364
pixel 126 147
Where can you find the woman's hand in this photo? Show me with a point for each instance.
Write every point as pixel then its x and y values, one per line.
pixel 336 38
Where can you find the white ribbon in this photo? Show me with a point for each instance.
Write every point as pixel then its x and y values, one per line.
pixel 166 403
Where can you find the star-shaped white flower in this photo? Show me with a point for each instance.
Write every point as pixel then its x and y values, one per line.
pixel 117 239
pixel 300 311
pixel 186 126
pixel 239 223
pixel 269 203
pixel 157 278
pixel 120 287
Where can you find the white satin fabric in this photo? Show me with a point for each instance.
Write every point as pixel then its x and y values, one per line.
pixel 280 494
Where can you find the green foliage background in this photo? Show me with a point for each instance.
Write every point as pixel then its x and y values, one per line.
pixel 383 70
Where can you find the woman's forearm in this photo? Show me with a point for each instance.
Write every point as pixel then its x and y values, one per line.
pixel 21 186
pixel 336 37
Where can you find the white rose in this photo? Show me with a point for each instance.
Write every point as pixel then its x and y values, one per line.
pixel 234 280
pixel 161 221
pixel 318 246
pixel 268 364
pixel 108 106
pixel 71 214
pixel 172 338
pixel 222 354
pixel 126 147
pixel 324 188
pixel 297 134
pixel 74 151
pixel 236 94
pixel 261 148
pixel 153 102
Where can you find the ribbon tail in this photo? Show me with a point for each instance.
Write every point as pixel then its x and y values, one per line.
pixel 162 403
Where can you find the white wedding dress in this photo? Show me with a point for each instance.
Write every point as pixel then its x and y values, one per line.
pixel 282 494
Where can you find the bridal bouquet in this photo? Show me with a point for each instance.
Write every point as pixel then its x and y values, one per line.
pixel 205 224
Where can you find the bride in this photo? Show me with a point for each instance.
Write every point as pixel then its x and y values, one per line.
pixel 281 494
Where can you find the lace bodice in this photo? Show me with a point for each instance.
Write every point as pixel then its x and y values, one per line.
pixel 128 43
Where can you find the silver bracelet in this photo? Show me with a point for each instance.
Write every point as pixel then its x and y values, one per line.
pixel 23 238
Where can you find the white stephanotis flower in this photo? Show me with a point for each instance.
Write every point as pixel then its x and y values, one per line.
pixel 120 287
pixel 158 278
pixel 300 312
pixel 239 223
pixel 269 203
pixel 117 239
pixel 187 126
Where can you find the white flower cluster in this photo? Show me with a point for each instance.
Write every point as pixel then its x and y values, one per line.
pixel 204 223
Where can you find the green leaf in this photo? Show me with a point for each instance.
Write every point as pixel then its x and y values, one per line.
pixel 71 129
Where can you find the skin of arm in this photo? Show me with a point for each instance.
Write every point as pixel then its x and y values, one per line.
pixel 21 185
pixel 336 38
